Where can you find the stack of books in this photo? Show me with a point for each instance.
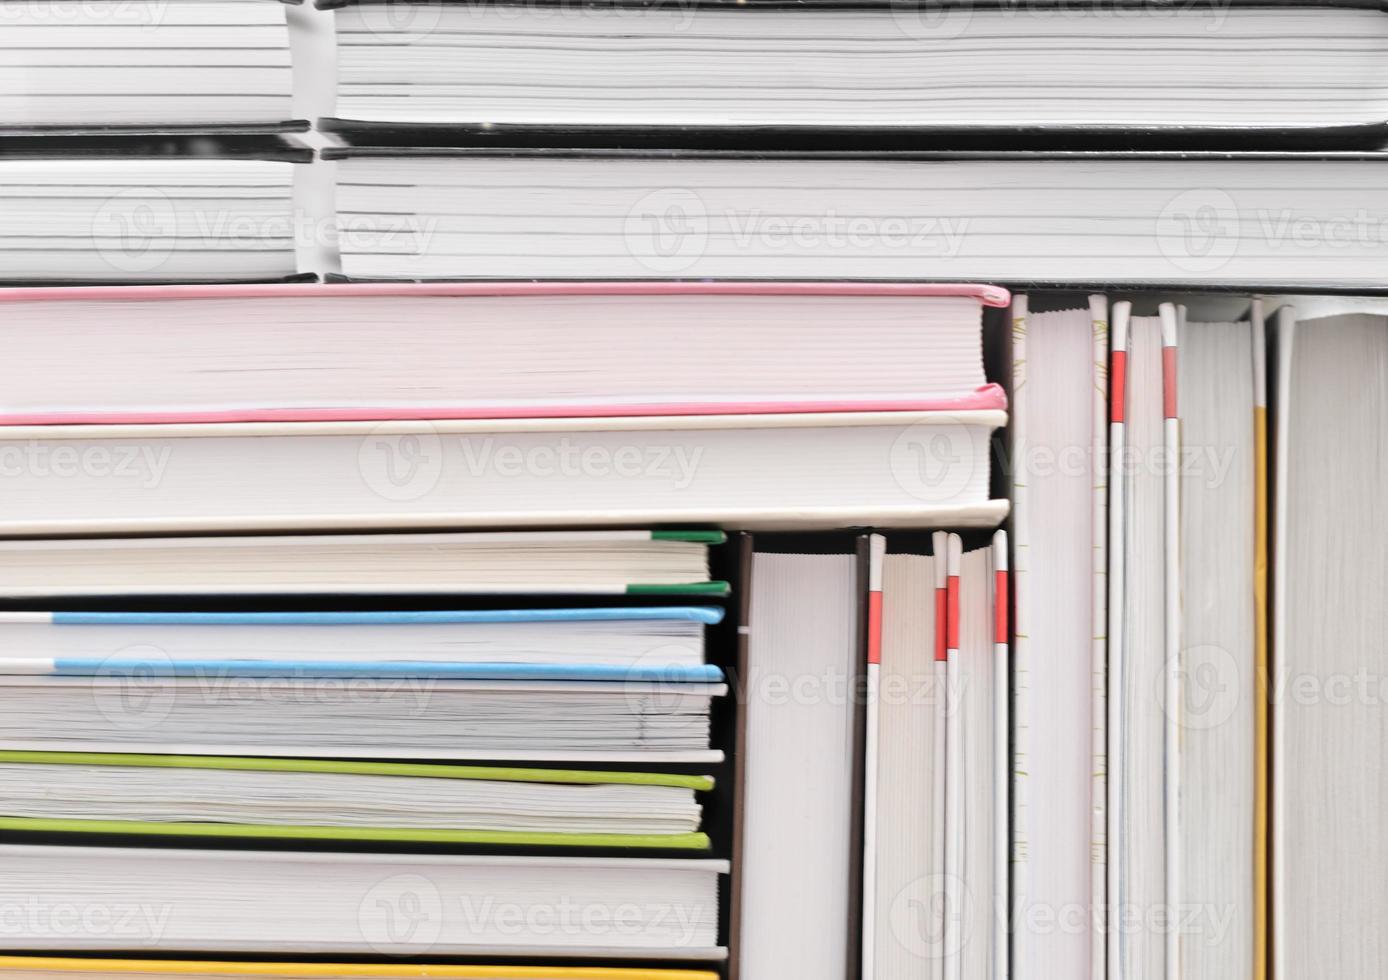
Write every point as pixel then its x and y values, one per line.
pixel 845 491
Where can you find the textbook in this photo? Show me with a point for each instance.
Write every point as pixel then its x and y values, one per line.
pixel 127 709
pixel 1328 623
pixel 124 209
pixel 831 469
pixel 652 643
pixel 766 64
pixel 717 203
pixel 287 799
pixel 70 66
pixel 314 902
pixel 619 562
pixel 489 350
pixel 1061 385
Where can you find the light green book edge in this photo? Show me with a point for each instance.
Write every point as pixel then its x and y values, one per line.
pixel 510 774
pixel 391 834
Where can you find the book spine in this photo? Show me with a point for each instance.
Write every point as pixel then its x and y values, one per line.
pixel 1262 679
pixel 1098 829
pixel 1002 725
pixel 937 910
pixel 877 548
pixel 1118 406
pixel 1021 564
pixel 1173 324
pixel 955 776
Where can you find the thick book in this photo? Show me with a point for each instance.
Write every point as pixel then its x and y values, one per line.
pixel 1060 441
pixel 1329 721
pixel 597 643
pixel 98 968
pixel 126 709
pixel 618 562
pixel 802 775
pixel 587 203
pixel 489 350
pixel 203 66
pixel 213 797
pixel 1250 69
pixel 778 470
pixel 123 209
pixel 305 902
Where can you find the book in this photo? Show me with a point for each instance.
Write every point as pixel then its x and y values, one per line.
pixel 489 350
pixel 873 65
pixel 670 562
pixel 1060 437
pixel 600 643
pixel 1328 717
pixel 206 65
pixel 307 902
pixel 1221 369
pixel 132 209
pixel 60 968
pixel 803 749
pixel 977 890
pixel 1144 665
pixel 901 869
pixel 719 204
pixel 763 471
pixel 389 717
pixel 307 799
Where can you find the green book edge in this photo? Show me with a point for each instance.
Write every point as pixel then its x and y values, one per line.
pixel 696 841
pixel 691 588
pixel 510 774
pixel 698 537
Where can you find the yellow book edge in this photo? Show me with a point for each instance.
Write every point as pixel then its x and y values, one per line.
pixel 176 968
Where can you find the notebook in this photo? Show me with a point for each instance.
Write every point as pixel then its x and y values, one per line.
pixel 304 902
pixel 147 209
pixel 1329 722
pixel 1060 442
pixel 966 67
pixel 601 643
pixel 208 797
pixel 202 65
pixel 797 469
pixel 129 709
pixel 719 204
pixel 493 350
pixel 619 562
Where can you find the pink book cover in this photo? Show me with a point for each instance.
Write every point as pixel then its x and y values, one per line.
pixel 987 397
